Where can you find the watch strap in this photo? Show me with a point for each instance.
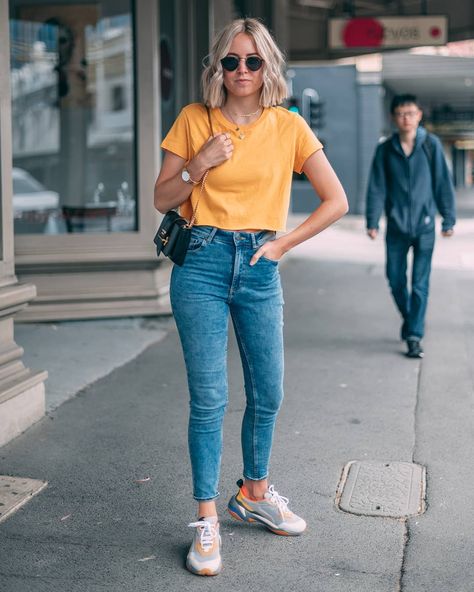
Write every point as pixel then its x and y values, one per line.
pixel 190 180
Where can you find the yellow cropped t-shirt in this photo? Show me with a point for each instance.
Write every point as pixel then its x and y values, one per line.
pixel 252 188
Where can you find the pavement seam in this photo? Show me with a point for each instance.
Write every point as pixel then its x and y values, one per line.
pixel 406 531
pixel 416 411
pixel 406 540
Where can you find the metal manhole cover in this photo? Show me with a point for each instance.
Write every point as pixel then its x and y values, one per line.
pixel 15 492
pixel 393 489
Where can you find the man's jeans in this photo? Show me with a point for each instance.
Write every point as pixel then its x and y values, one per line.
pixel 215 280
pixel 412 306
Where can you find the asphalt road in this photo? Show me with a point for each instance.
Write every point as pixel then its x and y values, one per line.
pixel 114 515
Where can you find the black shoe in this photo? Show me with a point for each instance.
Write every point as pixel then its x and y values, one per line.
pixel 414 348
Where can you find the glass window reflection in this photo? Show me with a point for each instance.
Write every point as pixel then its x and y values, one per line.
pixel 72 80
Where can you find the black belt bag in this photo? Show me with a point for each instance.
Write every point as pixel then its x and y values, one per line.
pixel 172 237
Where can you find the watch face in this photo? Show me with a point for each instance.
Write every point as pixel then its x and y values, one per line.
pixel 185 176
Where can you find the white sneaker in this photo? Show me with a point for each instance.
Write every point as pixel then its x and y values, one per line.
pixel 204 556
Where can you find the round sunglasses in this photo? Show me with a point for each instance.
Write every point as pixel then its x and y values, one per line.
pixel 231 63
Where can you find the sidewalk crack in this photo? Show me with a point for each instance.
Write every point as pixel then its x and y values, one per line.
pixel 416 412
pixel 406 540
pixel 406 524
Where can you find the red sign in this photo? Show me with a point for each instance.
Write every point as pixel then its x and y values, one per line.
pixel 363 32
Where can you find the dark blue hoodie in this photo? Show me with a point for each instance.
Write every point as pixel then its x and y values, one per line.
pixel 404 186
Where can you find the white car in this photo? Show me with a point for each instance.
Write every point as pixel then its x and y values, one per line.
pixel 29 195
pixel 33 204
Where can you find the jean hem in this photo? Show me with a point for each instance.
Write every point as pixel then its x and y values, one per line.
pixel 256 478
pixel 206 499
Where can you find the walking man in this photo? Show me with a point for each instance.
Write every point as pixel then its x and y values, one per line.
pixel 410 180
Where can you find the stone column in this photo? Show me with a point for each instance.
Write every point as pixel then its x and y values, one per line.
pixel 21 389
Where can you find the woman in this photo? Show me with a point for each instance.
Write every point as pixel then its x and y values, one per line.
pixel 231 266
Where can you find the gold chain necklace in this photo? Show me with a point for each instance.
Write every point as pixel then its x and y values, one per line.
pixel 240 133
pixel 246 114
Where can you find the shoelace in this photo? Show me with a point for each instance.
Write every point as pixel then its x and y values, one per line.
pixel 207 533
pixel 278 500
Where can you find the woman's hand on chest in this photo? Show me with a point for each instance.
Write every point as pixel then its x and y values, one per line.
pixel 215 151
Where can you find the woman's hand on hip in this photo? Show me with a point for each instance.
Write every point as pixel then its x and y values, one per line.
pixel 215 151
pixel 273 250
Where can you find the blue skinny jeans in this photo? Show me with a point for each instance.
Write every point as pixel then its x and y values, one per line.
pixel 411 304
pixel 215 280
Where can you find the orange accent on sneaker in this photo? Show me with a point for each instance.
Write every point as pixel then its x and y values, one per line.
pixel 206 572
pixel 280 532
pixel 246 494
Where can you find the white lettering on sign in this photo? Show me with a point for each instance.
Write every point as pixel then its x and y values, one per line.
pixel 403 33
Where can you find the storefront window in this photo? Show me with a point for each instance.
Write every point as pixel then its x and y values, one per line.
pixel 74 140
pixel 1 209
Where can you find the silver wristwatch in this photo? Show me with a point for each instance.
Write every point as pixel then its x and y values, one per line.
pixel 187 177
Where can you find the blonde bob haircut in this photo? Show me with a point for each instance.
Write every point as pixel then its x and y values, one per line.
pixel 274 88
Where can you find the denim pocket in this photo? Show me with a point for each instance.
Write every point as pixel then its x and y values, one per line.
pixel 196 243
pixel 274 261
pixel 266 238
pixel 199 239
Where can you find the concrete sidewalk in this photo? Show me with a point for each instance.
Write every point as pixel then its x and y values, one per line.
pixel 114 514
